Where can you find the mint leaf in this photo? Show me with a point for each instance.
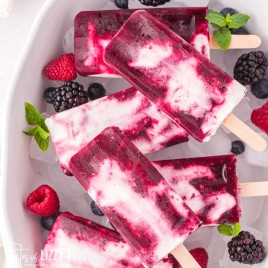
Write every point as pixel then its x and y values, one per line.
pixel 222 37
pixel 237 228
pixel 42 143
pixel 228 18
pixel 33 117
pixel 43 134
pixel 44 126
pixel 225 229
pixel 238 20
pixel 215 26
pixel 40 132
pixel 216 18
pixel 31 132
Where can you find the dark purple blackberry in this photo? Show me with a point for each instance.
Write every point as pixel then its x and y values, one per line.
pixel 69 95
pixel 153 2
pixel 250 67
pixel 48 93
pixel 244 248
pixel 95 91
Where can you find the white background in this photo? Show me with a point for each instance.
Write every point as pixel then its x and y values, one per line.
pixel 16 19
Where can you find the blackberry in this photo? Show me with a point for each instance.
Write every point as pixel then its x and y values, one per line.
pixel 95 91
pixel 48 94
pixel 250 67
pixel 153 2
pixel 95 209
pixel 260 89
pixel 238 147
pixel 121 3
pixel 244 248
pixel 69 95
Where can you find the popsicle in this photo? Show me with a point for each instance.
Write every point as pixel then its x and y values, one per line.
pixel 182 82
pixel 144 124
pixel 140 204
pixel 210 187
pixel 76 242
pixel 94 29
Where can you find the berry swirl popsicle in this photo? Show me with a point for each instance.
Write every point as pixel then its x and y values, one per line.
pixel 140 204
pixel 183 83
pixel 76 242
pixel 144 124
pixel 93 30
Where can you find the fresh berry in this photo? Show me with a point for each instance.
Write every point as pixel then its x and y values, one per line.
pixel 259 117
pixel 95 209
pixel 227 10
pixel 48 221
pixel 153 2
pixel 62 68
pixel 43 201
pixel 260 89
pixel 201 256
pixel 48 94
pixel 241 30
pixel 250 67
pixel 244 248
pixel 238 147
pixel 69 95
pixel 121 3
pixel 95 91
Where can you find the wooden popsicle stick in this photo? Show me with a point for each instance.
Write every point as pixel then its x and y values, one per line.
pixel 184 257
pixel 245 133
pixel 239 41
pixel 259 188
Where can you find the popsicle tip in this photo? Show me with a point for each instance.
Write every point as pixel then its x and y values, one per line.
pixel 261 145
pixel 257 40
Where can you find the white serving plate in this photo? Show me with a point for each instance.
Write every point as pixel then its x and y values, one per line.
pixel 19 228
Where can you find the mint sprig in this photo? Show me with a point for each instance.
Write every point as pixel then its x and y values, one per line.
pixel 40 131
pixel 229 230
pixel 222 26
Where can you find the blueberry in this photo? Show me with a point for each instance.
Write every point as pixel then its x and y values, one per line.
pixel 260 89
pixel 95 209
pixel 47 222
pixel 121 3
pixel 95 91
pixel 238 147
pixel 241 30
pixel 48 94
pixel 227 10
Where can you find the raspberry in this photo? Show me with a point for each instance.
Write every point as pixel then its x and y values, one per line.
pixel 200 256
pixel 244 248
pixel 62 68
pixel 259 117
pixel 43 201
